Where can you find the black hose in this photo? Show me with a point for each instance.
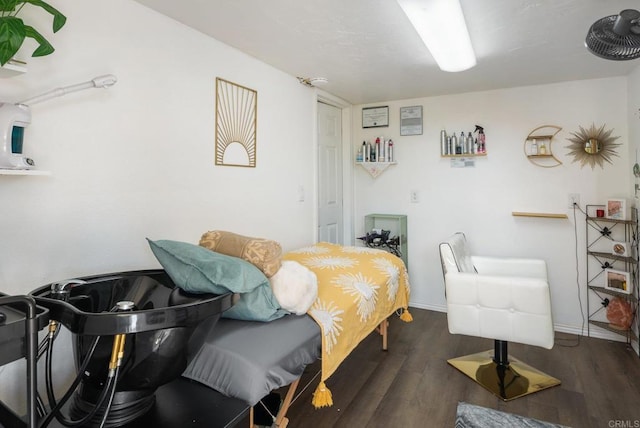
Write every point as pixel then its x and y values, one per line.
pixel 110 402
pixel 82 422
pixel 47 345
pixel 55 408
pixel 48 375
pixel 40 406
pixel 106 392
pixel 45 342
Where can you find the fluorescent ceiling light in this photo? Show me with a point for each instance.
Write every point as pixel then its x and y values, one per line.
pixel 440 24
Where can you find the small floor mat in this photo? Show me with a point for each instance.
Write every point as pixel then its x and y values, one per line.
pixel 472 416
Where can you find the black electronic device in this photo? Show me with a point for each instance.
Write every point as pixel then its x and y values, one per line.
pixel 616 37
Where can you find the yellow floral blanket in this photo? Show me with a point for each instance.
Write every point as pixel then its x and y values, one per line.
pixel 358 288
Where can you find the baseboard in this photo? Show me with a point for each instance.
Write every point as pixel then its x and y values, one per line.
pixel 436 308
pixel 570 329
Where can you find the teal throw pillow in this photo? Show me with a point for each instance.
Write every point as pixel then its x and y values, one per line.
pixel 199 270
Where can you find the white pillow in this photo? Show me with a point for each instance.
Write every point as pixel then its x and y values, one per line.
pixel 295 287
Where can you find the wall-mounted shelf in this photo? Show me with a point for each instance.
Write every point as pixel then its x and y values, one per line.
pixel 465 155
pixel 537 146
pixel 13 68
pixel 539 156
pixel 542 215
pixel 375 168
pixel 23 172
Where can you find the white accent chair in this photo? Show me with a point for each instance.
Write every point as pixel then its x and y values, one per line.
pixel 504 299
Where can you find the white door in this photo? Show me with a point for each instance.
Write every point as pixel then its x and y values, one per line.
pixel 329 174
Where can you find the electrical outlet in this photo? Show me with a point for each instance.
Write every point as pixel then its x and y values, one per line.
pixel 414 197
pixel 573 198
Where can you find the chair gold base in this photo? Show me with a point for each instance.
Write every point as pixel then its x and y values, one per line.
pixel 507 382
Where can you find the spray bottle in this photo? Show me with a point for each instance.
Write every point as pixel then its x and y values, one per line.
pixel 480 139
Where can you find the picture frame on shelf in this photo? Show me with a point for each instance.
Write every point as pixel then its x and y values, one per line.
pixel 621 248
pixel 616 209
pixel 375 117
pixel 618 280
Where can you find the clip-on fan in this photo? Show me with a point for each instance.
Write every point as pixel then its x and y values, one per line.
pixel 616 37
pixel 15 117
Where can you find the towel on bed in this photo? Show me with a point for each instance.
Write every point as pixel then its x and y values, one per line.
pixel 358 288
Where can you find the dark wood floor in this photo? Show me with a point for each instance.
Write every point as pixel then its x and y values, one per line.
pixel 411 385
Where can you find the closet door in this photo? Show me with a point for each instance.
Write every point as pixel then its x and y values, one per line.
pixel 329 174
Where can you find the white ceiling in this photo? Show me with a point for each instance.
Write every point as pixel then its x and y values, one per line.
pixel 370 52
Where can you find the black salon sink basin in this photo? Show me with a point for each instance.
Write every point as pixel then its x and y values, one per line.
pixel 158 304
pixel 160 322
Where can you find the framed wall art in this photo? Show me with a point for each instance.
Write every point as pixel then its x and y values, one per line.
pixel 411 120
pixel 375 117
pixel 236 120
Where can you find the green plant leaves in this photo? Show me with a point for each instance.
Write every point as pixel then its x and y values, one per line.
pixel 44 47
pixel 8 5
pixel 13 30
pixel 12 34
pixel 58 18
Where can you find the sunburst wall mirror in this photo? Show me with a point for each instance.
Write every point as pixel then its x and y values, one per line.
pixel 236 118
pixel 593 146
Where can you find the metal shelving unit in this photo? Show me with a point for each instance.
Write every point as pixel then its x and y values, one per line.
pixel 396 224
pixel 601 233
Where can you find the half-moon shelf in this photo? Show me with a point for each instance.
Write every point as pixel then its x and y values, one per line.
pixel 542 134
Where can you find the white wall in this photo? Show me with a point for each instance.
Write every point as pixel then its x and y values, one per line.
pixel 479 200
pixel 137 160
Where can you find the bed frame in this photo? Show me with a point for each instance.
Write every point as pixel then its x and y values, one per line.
pixel 280 419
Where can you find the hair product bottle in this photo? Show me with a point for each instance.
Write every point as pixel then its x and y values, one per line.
pixel 481 139
pixel 443 142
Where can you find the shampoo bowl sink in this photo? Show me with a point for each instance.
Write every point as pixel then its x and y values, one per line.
pixel 159 330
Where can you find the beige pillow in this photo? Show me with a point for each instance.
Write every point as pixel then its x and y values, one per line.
pixel 265 254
